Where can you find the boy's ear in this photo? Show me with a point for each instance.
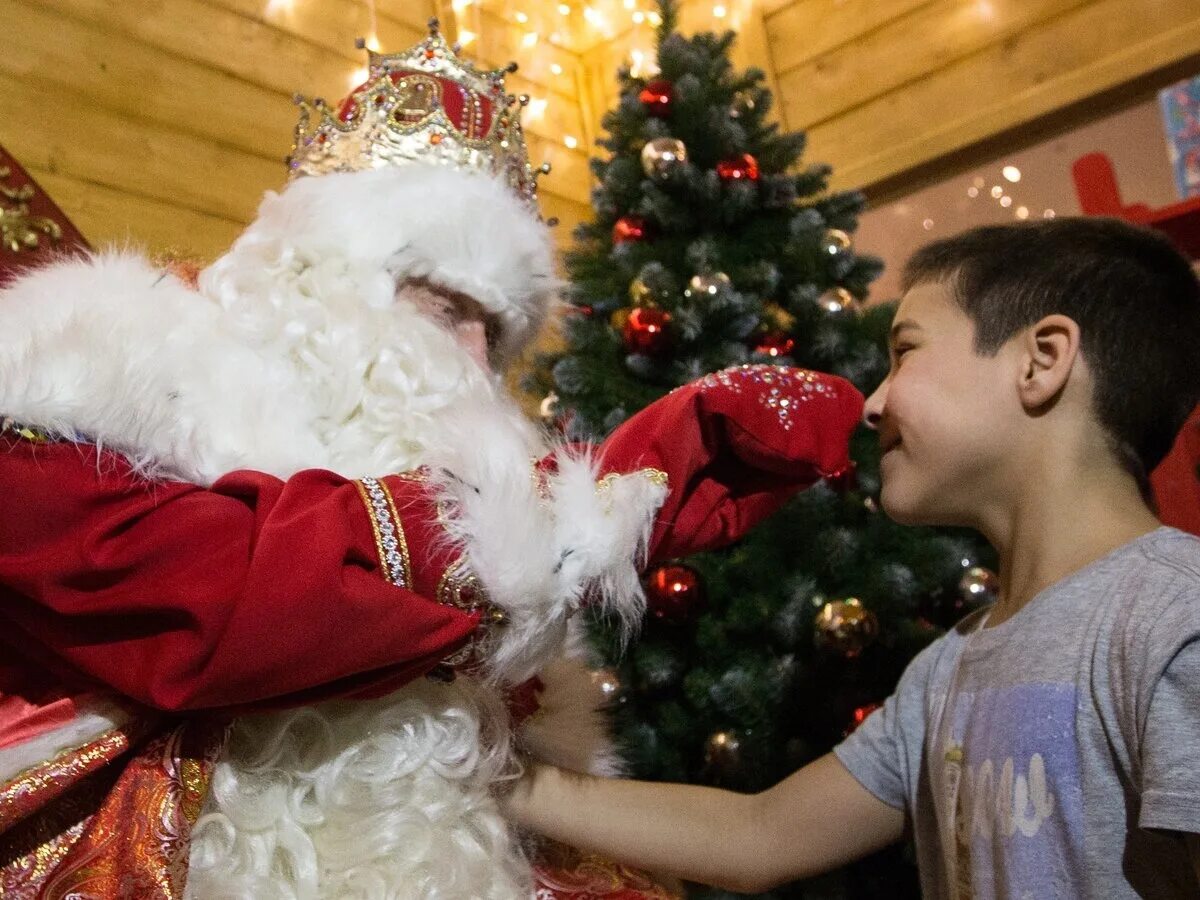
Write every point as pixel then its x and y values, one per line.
pixel 1049 350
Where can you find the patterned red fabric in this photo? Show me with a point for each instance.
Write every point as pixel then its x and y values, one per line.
pixel 24 203
pixel 735 445
pixel 564 873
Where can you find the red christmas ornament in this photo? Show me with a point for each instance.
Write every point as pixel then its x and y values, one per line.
pixel 775 343
pixel 629 228
pixel 860 715
pixel 645 331
pixel 657 97
pixel 845 480
pixel 738 167
pixel 674 592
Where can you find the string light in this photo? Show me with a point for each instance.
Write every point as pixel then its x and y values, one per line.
pixel 1012 173
pixel 1006 201
pixel 639 17
pixel 536 108
pixel 571 142
pixel 521 18
pixel 459 5
pixel 655 19
pixel 927 224
pixel 630 4
pixel 1022 212
pixel 719 12
pixel 997 191
pixel 972 192
pixel 466 37
pixel 358 76
pixel 556 68
pixel 278 7
pixel 563 9
pixel 530 39
pixel 1048 214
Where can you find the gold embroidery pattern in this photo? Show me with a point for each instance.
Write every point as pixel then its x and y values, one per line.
pixel 129 832
pixel 9 426
pixel 389 533
pixel 19 228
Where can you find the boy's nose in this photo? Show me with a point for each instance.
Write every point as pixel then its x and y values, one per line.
pixel 873 408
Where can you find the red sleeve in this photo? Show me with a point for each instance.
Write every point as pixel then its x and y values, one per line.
pixel 184 598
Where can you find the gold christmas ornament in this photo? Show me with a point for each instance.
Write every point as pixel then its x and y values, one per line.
pixel 662 156
pixel 845 626
pixel 835 242
pixel 619 318
pixel 723 754
pixel 422 105
pixel 709 284
pixel 640 293
pixel 838 301
pixel 607 684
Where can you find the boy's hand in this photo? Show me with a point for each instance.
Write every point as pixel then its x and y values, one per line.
pixel 816 820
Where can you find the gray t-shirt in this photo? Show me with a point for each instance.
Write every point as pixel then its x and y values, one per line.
pixel 1058 753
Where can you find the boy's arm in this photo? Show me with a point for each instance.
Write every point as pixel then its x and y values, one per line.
pixel 815 820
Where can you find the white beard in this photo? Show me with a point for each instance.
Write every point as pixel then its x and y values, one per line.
pixel 285 366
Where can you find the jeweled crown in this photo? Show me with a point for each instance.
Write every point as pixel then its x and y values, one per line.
pixel 426 105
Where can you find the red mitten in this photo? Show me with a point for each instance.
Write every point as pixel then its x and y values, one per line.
pixel 735 446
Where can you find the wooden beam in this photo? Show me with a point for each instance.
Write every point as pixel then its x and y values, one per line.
pixel 907 50
pixel 76 139
pixel 805 29
pixel 1089 50
pixel 108 217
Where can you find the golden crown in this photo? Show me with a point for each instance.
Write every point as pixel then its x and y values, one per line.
pixel 425 104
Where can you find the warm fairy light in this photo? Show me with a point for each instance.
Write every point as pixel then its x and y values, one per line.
pixel 556 68
pixel 1012 173
pixel 927 224
pixel 593 18
pixel 536 108
pixel 997 191
pixel 986 9
pixel 1048 214
pixel 459 5
pixel 278 7
pixel 630 4
pixel 372 42
pixel 571 142
pixel 719 11
pixel 521 18
pixel 563 9
pixel 530 39
pixel 655 19
pixel 641 64
pixel 1006 201
pixel 359 76
pixel 638 17
pixel 466 37
pixel 1022 212
pixel 972 192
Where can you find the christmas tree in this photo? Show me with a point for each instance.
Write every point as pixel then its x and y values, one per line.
pixel 712 247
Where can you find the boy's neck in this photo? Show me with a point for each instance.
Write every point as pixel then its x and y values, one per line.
pixel 1061 522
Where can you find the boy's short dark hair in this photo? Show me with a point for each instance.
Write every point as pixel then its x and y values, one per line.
pixel 1135 298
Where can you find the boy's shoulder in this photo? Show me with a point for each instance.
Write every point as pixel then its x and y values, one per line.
pixel 1172 553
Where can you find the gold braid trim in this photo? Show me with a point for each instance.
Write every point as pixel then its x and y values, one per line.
pixel 389 533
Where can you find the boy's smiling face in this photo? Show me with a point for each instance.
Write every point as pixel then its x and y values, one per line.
pixel 944 414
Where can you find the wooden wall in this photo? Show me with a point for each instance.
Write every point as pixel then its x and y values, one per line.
pixel 162 122
pixel 886 86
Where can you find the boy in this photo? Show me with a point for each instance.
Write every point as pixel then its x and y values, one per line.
pixel 1050 745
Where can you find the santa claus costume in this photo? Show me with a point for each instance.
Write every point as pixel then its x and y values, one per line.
pixel 275 553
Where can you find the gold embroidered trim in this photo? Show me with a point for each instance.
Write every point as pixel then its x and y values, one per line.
pixel 389 533
pixel 8 426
